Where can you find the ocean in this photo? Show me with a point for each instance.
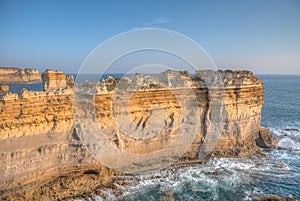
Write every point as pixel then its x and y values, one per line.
pixel 230 178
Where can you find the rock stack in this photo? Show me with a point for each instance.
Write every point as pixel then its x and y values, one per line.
pixel 56 80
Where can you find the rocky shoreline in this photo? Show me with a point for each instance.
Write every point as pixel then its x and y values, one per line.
pixel 42 156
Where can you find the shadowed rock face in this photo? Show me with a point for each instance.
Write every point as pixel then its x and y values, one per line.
pixel 39 141
pixel 265 139
pixel 17 75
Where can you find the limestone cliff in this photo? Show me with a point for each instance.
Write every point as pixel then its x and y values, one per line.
pixel 40 143
pixel 17 75
pixel 56 80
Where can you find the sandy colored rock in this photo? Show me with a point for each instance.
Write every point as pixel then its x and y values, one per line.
pixel 41 154
pixel 56 80
pixel 17 75
pixel 4 89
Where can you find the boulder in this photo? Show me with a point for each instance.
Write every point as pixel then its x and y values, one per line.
pixel 265 139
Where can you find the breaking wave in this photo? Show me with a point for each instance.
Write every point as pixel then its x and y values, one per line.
pixel 218 179
pixel 289 138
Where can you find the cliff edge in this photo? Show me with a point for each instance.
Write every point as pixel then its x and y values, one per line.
pixel 43 158
pixel 18 75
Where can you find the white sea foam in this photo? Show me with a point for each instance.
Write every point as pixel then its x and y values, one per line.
pixel 225 173
pixel 286 131
pixel 288 144
pixel 289 138
pixel 230 174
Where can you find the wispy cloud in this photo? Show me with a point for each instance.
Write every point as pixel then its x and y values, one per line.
pixel 157 21
pixel 154 23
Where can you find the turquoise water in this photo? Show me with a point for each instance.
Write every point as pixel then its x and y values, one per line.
pixel 231 179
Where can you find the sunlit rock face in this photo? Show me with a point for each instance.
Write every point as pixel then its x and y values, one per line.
pixel 17 75
pixel 39 140
pixel 237 117
pixel 56 80
pixel 53 80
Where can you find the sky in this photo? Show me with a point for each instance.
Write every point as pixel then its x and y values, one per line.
pixel 261 36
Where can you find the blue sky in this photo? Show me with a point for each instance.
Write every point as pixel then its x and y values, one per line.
pixel 262 36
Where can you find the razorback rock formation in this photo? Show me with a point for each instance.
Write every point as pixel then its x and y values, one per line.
pixel 17 75
pixel 42 157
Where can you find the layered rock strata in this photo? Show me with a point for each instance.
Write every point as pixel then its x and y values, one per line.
pixel 40 142
pixel 17 75
pixel 56 80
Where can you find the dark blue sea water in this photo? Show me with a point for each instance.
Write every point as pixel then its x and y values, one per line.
pixel 231 179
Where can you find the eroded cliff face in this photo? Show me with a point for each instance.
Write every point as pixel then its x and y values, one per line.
pixel 17 75
pixel 39 141
pixel 55 80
